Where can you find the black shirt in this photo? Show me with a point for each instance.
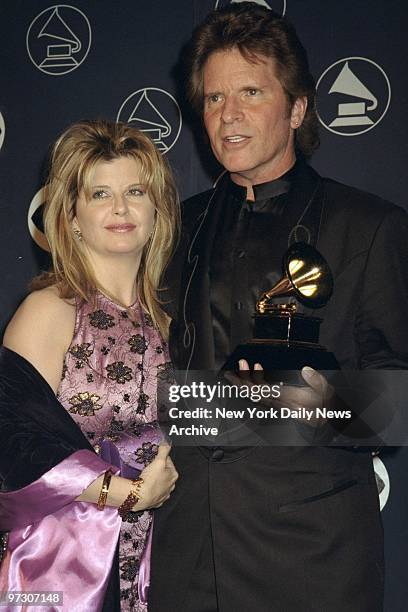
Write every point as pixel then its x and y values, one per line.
pixel 246 259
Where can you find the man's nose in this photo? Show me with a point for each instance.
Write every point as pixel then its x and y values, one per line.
pixel 120 205
pixel 231 110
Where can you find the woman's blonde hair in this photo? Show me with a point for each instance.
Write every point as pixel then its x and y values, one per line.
pixel 73 158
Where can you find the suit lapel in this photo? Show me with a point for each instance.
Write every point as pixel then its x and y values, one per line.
pixel 196 338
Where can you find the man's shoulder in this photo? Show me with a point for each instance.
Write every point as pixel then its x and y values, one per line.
pixel 357 202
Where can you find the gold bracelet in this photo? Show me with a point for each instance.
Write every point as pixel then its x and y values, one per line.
pixel 132 498
pixel 103 495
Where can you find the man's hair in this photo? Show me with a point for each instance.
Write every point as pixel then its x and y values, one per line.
pixel 257 32
pixel 74 157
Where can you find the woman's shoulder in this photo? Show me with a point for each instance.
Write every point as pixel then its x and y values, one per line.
pixel 41 331
pixel 43 307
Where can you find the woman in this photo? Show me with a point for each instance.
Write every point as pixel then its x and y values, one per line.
pixel 92 332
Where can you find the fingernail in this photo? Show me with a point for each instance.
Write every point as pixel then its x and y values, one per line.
pixel 258 366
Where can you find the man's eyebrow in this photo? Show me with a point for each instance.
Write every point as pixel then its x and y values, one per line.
pixel 258 85
pixel 211 93
pixel 217 92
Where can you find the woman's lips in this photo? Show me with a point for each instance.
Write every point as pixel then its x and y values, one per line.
pixel 120 227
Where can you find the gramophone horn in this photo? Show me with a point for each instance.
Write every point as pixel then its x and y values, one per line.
pixel 306 276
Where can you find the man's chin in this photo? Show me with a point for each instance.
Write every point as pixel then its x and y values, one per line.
pixel 233 161
pixel 236 167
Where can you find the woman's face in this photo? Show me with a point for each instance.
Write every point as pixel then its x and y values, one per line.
pixel 118 216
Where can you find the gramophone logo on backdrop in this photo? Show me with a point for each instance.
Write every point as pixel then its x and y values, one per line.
pixel 35 219
pixel 155 112
pixel 279 6
pixel 353 95
pixel 58 39
pixel 2 130
pixel 383 481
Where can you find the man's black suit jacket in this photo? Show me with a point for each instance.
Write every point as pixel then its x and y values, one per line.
pixel 292 528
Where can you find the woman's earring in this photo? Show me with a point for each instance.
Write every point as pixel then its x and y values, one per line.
pixel 78 233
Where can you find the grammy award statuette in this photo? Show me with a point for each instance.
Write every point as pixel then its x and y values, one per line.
pixel 284 339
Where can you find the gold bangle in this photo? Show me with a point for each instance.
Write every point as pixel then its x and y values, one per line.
pixel 132 498
pixel 103 495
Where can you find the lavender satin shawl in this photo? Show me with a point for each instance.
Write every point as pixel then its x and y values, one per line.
pixel 45 463
pixel 56 543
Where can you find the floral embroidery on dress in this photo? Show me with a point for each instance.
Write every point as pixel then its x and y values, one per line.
pixel 84 403
pixel 113 396
pixel 132 517
pixel 124 594
pixel 81 352
pixel 119 372
pixel 129 569
pixel 115 427
pixel 101 319
pixel 137 430
pixel 165 373
pixel 148 321
pixel 147 453
pixel 142 403
pixel 137 344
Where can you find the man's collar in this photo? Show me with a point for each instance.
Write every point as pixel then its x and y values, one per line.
pixel 276 187
pixel 264 192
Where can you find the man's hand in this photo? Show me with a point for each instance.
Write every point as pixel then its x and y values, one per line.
pixel 317 393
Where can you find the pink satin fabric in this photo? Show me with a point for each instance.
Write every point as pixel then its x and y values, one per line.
pixel 56 543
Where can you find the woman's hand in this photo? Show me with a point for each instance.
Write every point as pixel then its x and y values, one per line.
pixel 159 480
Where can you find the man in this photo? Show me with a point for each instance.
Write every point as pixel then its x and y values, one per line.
pixel 274 528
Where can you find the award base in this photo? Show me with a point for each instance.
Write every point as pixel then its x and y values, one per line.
pixel 284 343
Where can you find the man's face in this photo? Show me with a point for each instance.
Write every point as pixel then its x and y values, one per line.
pixel 247 117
